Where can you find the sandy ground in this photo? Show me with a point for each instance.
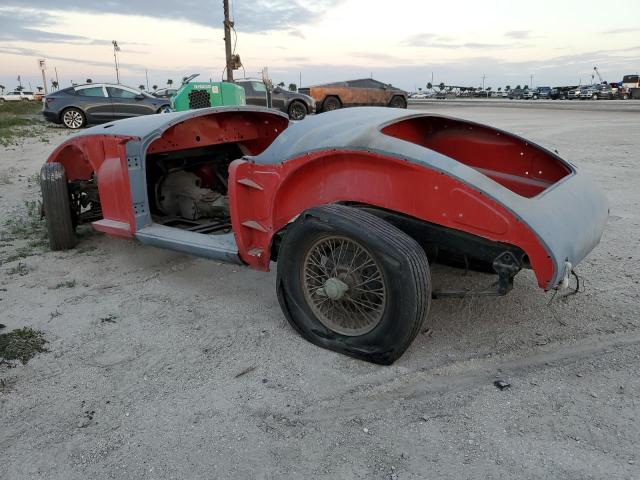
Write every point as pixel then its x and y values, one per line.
pixel 165 366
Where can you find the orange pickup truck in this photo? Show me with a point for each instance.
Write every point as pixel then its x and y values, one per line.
pixel 356 93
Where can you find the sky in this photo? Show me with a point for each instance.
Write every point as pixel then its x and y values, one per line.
pixel 405 42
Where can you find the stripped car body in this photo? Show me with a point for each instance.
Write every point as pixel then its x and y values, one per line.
pixel 464 190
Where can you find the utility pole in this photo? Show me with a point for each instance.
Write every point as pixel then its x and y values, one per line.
pixel 227 40
pixel 146 74
pixel 483 77
pixel 116 49
pixel 300 81
pixel 531 84
pixel 57 81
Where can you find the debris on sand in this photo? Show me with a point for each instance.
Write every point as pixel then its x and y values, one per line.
pixel 501 384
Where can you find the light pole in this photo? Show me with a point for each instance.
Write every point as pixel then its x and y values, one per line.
pixel 116 49
pixel 531 84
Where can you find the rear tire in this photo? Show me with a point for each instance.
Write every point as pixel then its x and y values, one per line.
pixel 398 102
pixel 370 304
pixel 331 103
pixel 73 118
pixel 57 207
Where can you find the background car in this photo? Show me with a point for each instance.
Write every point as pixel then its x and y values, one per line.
pixel 165 93
pixel 352 93
pixel 296 105
pixel 574 93
pixel 516 93
pixel 14 96
pixel 77 106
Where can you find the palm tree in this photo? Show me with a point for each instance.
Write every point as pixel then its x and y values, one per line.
pixel 499 89
pixel 169 82
pixel 155 87
pixel 441 86
pixel 281 84
pixel 507 88
pixel 88 80
pixel 2 87
pixel 54 84
pixel 429 86
pixel 293 87
pixel 39 89
pixel 518 87
pixel 140 87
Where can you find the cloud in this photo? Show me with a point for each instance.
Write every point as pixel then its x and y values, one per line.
pixel 617 31
pixel 518 34
pixel 254 17
pixel 430 40
pixel 375 56
pixel 18 26
pixel 26 27
pixel 419 40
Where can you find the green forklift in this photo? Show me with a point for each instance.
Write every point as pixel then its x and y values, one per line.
pixel 193 95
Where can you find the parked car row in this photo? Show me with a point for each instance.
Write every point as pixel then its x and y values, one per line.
pixel 80 105
pixel 603 91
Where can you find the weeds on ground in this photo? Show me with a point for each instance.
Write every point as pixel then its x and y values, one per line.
pixel 20 108
pixel 20 269
pixel 19 120
pixel 111 318
pixel 67 284
pixel 27 226
pixel 21 344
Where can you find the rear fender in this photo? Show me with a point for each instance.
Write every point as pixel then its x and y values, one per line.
pixel 265 198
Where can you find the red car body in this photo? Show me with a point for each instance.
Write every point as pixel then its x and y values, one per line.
pixel 470 187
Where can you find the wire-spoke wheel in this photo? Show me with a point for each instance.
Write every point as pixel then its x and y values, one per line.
pixel 73 118
pixel 344 285
pixel 352 282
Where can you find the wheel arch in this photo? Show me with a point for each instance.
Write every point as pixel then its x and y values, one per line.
pixel 103 157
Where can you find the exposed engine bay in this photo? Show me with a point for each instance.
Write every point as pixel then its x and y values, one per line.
pixel 188 189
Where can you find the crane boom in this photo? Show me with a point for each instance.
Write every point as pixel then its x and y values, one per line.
pixel 598 73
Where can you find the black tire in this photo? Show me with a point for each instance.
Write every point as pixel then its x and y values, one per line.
pixel 400 261
pixel 331 103
pixel 164 109
pixel 73 118
pixel 57 207
pixel 398 102
pixel 297 110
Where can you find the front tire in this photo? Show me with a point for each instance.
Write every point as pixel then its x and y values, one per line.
pixel 350 282
pixel 73 118
pixel 297 110
pixel 57 207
